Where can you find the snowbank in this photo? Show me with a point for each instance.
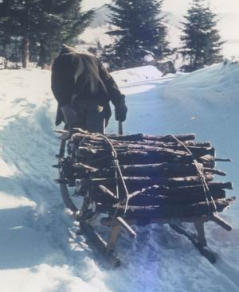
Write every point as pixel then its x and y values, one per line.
pixel 217 83
pixel 137 74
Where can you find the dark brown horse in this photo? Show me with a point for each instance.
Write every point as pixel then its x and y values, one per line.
pixel 83 89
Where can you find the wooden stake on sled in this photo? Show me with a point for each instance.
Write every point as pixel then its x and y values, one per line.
pixel 105 248
pixel 122 215
pixel 120 128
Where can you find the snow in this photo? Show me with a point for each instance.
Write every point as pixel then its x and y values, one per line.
pixel 137 74
pixel 94 35
pixel 40 249
pixel 148 58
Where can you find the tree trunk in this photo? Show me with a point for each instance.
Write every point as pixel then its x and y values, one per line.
pixel 43 58
pixel 25 50
pixel 26 37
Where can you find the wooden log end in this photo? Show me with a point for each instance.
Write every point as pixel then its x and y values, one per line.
pixel 56 166
pixel 223 159
pixel 61 131
pixel 126 226
pixel 60 181
pixel 109 196
pixel 214 171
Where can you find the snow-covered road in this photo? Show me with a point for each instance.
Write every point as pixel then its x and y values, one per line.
pixel 39 250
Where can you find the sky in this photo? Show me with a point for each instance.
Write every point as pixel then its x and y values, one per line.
pixel 228 16
pixel 179 6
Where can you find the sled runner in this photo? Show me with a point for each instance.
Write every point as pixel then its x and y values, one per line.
pixel 141 179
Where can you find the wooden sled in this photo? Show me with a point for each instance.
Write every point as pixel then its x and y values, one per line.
pixel 124 216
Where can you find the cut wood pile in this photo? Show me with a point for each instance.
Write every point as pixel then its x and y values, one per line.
pixel 143 177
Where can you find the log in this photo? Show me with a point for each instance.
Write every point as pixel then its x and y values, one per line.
pixel 152 151
pixel 214 171
pixel 84 167
pixel 160 169
pixel 101 161
pixel 223 159
pixel 206 154
pixel 140 137
pixel 148 200
pixel 167 169
pixel 160 144
pixel 100 142
pixel 157 169
pixel 139 146
pixel 80 170
pixel 207 161
pixel 103 194
pixel 136 183
pixel 193 190
pixel 99 158
pixel 169 211
pixel 154 169
pixel 188 139
pixel 198 144
pixel 150 185
pixel 158 196
pixel 135 137
pixel 122 146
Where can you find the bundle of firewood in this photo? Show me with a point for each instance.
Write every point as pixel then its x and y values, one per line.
pixel 144 177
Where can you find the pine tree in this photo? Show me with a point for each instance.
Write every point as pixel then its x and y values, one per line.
pixel 43 25
pixel 7 40
pixel 139 29
pixel 19 23
pixel 61 22
pixel 201 40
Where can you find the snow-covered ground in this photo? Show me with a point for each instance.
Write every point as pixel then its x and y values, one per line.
pixel 39 249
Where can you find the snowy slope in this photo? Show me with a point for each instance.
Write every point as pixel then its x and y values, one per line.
pixel 137 75
pixel 39 247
